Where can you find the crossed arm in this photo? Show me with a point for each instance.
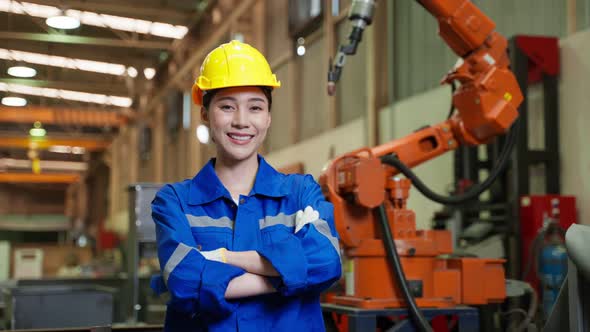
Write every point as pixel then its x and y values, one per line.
pixel 254 281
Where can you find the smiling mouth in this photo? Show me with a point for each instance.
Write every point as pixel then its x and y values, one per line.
pixel 241 138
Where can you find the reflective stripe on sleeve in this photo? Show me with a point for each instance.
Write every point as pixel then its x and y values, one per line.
pixel 205 221
pixel 280 219
pixel 324 229
pixel 290 221
pixel 177 256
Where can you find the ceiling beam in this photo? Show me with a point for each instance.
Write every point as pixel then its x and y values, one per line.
pixel 9 164
pixel 128 57
pixel 44 144
pixel 83 40
pixel 39 178
pixel 160 14
pixel 111 89
pixel 62 116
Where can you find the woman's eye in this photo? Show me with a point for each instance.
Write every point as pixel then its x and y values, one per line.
pixel 226 107
pixel 256 108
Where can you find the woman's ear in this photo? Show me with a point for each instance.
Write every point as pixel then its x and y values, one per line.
pixel 204 115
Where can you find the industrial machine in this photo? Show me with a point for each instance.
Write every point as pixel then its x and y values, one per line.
pixel 141 250
pixel 376 229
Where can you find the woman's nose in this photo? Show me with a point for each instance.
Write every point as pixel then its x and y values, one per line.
pixel 240 118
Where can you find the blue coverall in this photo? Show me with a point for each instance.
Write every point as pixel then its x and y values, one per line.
pixel 199 214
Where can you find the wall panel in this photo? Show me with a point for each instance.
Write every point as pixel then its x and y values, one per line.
pixel 280 134
pixel 352 87
pixel 314 99
pixel 277 29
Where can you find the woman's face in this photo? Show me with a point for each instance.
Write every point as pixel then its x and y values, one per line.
pixel 238 120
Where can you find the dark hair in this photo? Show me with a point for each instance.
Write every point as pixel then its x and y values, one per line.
pixel 209 94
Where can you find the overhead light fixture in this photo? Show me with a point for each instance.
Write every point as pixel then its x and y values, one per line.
pixel 301 50
pixel 60 149
pixel 37 130
pixel 66 149
pixel 21 71
pixel 14 101
pixel 301 46
pixel 84 97
pixel 149 73
pixel 63 22
pixel 132 72
pixel 78 150
pixel 63 62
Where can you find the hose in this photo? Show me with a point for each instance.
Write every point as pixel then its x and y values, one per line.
pixel 523 326
pixel 399 276
pixel 474 191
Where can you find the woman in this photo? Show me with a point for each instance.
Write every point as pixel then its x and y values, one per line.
pixel 241 246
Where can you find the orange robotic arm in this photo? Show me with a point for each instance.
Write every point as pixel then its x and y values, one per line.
pixel 486 102
pixel 363 190
pixel 488 97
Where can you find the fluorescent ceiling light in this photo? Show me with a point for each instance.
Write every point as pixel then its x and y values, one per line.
pixel 100 20
pixel 14 101
pixel 67 94
pixel 62 62
pixel 149 73
pixel 60 149
pixel 21 71
pixel 301 50
pixel 63 22
pixel 37 130
pixel 132 72
pixel 78 150
pixel 67 149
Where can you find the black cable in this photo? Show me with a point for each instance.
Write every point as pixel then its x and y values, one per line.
pixel 475 190
pixel 399 275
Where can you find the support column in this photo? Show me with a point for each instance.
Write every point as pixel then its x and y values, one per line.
pixel 133 156
pixel 295 87
pixel 572 25
pixel 158 143
pixel 114 182
pixel 82 201
pixel 258 26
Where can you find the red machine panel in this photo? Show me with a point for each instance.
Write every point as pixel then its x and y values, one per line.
pixel 535 210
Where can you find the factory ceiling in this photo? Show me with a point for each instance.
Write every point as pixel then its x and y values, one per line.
pixel 88 80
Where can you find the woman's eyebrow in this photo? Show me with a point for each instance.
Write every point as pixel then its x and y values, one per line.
pixel 257 99
pixel 230 98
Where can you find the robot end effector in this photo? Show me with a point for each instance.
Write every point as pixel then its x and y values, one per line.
pixel 361 15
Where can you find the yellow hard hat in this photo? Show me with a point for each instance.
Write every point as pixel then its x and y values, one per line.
pixel 233 64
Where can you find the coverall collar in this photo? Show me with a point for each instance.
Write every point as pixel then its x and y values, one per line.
pixel 206 187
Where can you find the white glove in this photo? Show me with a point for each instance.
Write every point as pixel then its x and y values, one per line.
pixel 218 255
pixel 305 217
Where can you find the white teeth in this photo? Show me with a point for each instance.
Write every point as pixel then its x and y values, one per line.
pixel 240 138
